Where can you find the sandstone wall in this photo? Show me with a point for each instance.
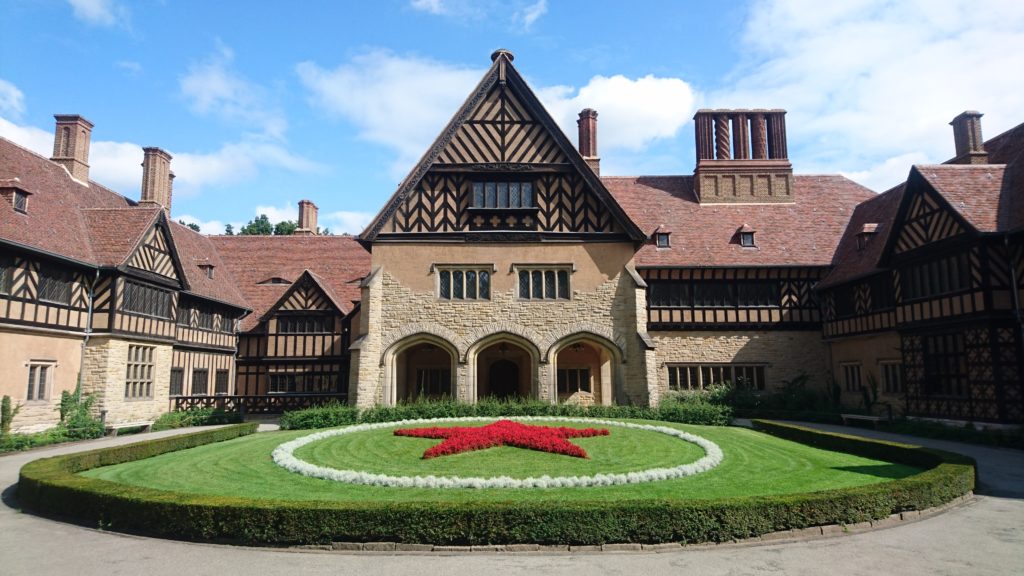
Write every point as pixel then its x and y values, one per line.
pixel 106 363
pixel 18 348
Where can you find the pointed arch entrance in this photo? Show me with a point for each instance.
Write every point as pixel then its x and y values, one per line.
pixel 586 371
pixel 419 366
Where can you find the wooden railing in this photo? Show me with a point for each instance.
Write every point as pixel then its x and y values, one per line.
pixel 265 404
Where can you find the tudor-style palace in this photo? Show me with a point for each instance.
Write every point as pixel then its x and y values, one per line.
pixel 506 265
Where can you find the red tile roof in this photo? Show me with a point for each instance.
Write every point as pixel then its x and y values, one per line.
pixel 972 190
pixel 337 262
pixel 855 258
pixel 53 222
pixel 115 233
pixel 802 233
pixel 195 249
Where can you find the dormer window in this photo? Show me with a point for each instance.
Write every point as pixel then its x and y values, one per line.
pixel 746 236
pixel 865 235
pixel 275 280
pixel 21 201
pixel 208 269
pixel 661 239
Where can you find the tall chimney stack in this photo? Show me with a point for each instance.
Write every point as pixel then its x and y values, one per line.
pixel 970 146
pixel 71 145
pixel 307 219
pixel 156 178
pixel 588 139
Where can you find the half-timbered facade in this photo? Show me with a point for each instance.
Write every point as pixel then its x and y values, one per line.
pixel 923 308
pixel 505 265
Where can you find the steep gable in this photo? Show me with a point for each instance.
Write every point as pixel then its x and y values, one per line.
pixel 924 217
pixel 154 254
pixel 502 170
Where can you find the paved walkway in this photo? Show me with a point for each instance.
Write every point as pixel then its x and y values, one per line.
pixel 983 537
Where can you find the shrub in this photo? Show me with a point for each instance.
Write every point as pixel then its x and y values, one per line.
pixel 52 486
pixel 195 417
pixel 330 415
pixel 76 419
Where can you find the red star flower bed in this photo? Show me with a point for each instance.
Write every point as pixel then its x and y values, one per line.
pixel 504 433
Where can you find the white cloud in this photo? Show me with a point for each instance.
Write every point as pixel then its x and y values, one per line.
pixel 345 222
pixel 526 16
pixel 373 92
pixel 870 82
pixel 12 101
pixel 208 226
pixel 631 113
pixel 212 87
pixel 279 214
pixel 100 12
pixel 118 164
pixel 429 6
pixel 130 66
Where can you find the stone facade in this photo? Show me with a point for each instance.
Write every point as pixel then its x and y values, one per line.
pixel 606 311
pixel 869 352
pixel 104 374
pixel 784 354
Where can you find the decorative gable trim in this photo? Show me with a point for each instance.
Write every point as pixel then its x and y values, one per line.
pixel 453 144
pixel 306 293
pixel 156 256
pixel 924 217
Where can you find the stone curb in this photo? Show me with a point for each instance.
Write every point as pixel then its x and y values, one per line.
pixel 783 536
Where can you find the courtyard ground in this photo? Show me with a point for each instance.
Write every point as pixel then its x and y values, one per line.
pixel 984 536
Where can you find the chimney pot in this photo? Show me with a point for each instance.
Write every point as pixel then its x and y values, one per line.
pixel 71 145
pixel 587 125
pixel 307 219
pixel 157 178
pixel 970 146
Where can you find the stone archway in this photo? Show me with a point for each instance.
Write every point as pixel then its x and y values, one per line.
pixel 585 370
pixel 420 365
pixel 503 366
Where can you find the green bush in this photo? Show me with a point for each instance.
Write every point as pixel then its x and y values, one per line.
pixel 691 411
pixel 52 486
pixel 195 417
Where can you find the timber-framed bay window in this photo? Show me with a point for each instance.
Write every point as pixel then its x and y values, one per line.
pixel 700 376
pixel 543 282
pixel 146 300
pixel 464 281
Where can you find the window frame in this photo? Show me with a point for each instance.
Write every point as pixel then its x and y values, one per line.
pixel 449 271
pixel 20 197
pixel 39 369
pixel 219 390
pixel 305 323
pixel 525 202
pixel 59 276
pixel 139 369
pixel 662 240
pixel 148 295
pixel 205 380
pixel 715 373
pixel 8 265
pixel 852 385
pixel 545 282
pixel 580 373
pixel 888 369
pixel 180 384
pixel 747 240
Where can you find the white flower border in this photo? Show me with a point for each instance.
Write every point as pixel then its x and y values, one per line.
pixel 284 456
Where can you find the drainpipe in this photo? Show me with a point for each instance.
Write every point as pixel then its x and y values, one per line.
pixel 1015 289
pixel 88 326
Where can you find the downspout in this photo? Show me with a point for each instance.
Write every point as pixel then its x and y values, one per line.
pixel 1015 289
pixel 88 331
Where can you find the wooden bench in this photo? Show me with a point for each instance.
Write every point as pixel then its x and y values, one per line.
pixel 863 417
pixel 112 429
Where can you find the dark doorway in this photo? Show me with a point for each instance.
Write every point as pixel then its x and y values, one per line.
pixel 504 379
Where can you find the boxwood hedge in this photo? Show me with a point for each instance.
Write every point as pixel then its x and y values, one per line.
pixel 51 486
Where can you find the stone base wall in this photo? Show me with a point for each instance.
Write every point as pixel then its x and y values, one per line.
pixel 395 315
pixel 106 364
pixel 785 354
pixel 61 352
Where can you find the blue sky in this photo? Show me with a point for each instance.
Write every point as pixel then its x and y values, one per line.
pixel 265 103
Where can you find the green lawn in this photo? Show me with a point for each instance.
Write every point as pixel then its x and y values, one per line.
pixel 754 464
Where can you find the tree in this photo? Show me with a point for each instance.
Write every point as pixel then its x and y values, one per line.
pixel 259 226
pixel 190 225
pixel 229 230
pixel 285 228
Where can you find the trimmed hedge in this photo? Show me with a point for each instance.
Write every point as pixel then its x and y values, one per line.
pixel 51 486
pixel 195 417
pixel 332 415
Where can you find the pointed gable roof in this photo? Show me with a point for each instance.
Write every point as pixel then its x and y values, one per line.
pixel 477 117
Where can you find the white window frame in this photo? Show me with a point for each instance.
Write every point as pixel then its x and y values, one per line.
pixel 34 369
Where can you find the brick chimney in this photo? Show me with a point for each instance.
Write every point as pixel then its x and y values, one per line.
pixel 156 178
pixel 71 145
pixel 307 219
pixel 970 146
pixel 588 139
pixel 742 157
